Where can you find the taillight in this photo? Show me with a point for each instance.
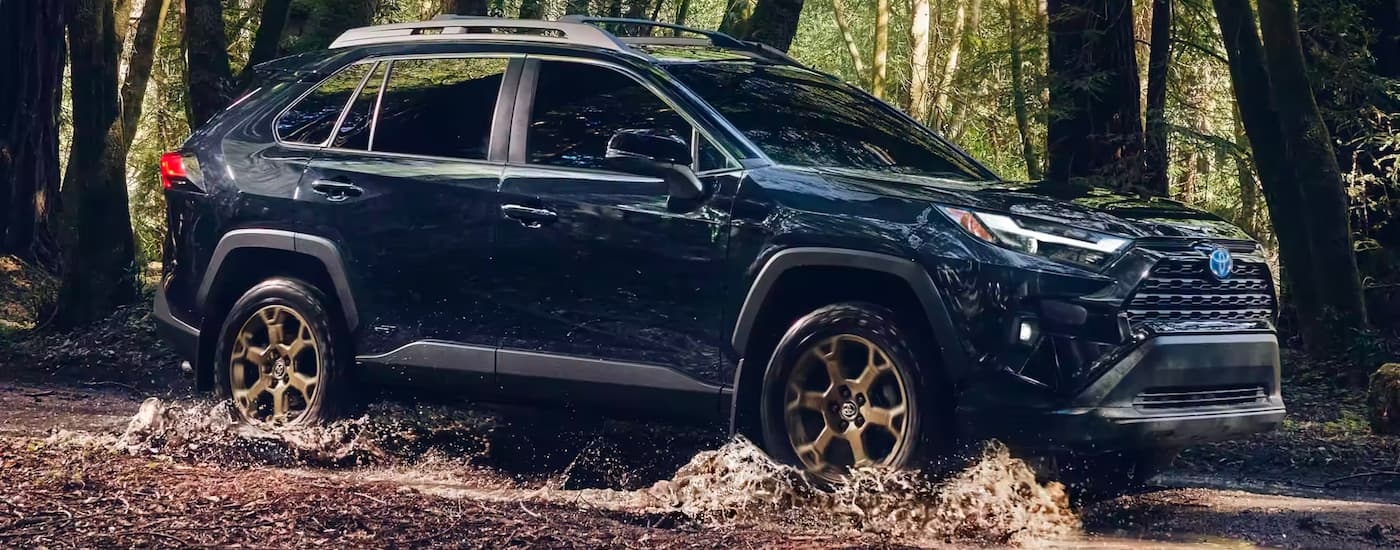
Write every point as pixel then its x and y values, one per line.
pixel 178 170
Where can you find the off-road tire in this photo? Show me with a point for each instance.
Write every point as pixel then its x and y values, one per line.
pixel 927 419
pixel 333 395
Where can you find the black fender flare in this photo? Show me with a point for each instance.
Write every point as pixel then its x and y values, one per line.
pixel 947 339
pixel 319 248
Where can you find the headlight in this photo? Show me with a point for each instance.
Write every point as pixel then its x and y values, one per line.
pixel 1041 238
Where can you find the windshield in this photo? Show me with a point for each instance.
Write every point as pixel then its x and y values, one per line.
pixel 798 117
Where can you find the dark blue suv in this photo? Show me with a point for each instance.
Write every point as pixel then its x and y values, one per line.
pixel 670 222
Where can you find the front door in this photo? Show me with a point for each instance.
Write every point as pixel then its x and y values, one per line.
pixel 412 194
pixel 614 294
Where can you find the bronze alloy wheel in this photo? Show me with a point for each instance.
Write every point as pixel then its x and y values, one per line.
pixel 845 405
pixel 275 366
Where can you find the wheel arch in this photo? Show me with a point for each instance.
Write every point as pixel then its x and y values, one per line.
pixel 244 257
pixel 764 301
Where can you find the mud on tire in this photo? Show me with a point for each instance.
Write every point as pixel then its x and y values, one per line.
pixel 283 355
pixel 847 387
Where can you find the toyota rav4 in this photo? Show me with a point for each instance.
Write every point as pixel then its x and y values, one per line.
pixel 640 218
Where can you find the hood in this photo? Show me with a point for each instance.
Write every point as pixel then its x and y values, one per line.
pixel 1090 208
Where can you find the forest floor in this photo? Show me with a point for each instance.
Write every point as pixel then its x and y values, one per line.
pixel 104 444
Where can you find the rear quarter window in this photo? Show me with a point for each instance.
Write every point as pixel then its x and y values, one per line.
pixel 311 120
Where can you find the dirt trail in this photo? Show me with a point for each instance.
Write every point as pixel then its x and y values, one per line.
pixel 75 469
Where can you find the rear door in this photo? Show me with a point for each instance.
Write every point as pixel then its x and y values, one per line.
pixel 408 185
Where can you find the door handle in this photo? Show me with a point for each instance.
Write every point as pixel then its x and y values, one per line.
pixel 336 190
pixel 527 216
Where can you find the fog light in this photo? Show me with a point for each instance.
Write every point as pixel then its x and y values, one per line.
pixel 1027 332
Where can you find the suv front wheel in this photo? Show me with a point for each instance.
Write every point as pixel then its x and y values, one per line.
pixel 844 390
pixel 279 356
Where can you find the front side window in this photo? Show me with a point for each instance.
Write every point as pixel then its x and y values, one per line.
pixel 440 107
pixel 579 107
pixel 802 118
pixel 312 119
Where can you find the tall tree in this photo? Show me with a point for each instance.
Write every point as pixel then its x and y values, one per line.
pixel 271 24
pixel 880 65
pixel 1019 97
pixel 1283 196
pixel 918 66
pixel 774 23
pixel 574 7
pixel 1315 168
pixel 480 8
pixel 206 54
pixel 1095 132
pixel 138 68
pixel 32 58
pixel 950 66
pixel 99 250
pixel 843 24
pixel 1159 59
pixel 531 9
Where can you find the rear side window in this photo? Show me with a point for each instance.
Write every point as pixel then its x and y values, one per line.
pixel 355 130
pixel 312 119
pixel 439 107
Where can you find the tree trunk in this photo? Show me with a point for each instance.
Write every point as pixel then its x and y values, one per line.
pixel 1315 168
pixel 774 23
pixel 1249 187
pixel 1159 59
pixel 99 251
pixel 844 25
pixel 950 68
pixel 682 11
pixel 479 7
pixel 138 71
pixel 32 58
pixel 266 44
pixel 882 48
pixel 206 51
pixel 531 9
pixel 918 70
pixel 1283 196
pixel 574 7
pixel 1018 92
pixel 1095 133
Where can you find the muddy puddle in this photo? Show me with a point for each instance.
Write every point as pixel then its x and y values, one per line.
pixel 664 474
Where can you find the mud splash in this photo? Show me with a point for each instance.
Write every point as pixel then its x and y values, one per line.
pixel 476 455
pixel 995 500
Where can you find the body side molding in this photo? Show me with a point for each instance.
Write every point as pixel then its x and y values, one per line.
pixel 317 247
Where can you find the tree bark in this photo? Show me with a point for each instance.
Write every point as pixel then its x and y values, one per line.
pixel 267 42
pixel 918 70
pixel 138 71
pixel 1249 187
pixel 481 9
pixel 1018 91
pixel 32 58
pixel 99 251
pixel 1283 197
pixel 880 65
pixel 844 25
pixel 774 23
pixel 1316 170
pixel 1095 134
pixel 950 67
pixel 206 52
pixel 1159 59
pixel 574 7
pixel 531 9
pixel 682 12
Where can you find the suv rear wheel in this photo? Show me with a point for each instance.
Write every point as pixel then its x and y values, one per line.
pixel 279 356
pixel 844 389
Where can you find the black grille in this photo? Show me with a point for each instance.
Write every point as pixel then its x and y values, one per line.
pixel 1181 288
pixel 1179 398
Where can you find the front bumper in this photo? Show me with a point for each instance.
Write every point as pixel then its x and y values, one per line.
pixel 1170 391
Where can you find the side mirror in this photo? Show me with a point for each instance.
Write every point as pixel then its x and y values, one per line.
pixel 649 145
pixel 651 153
